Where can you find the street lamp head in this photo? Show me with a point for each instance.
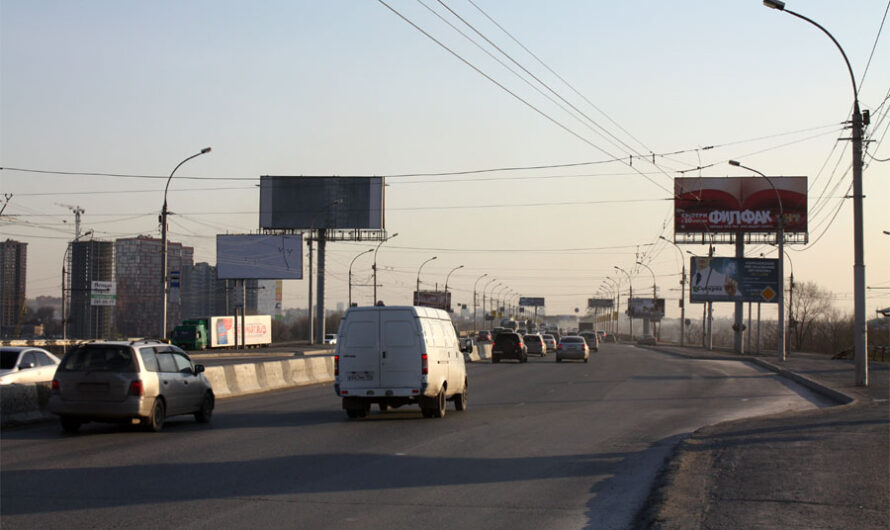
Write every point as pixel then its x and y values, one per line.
pixel 205 150
pixel 774 4
pixel 735 163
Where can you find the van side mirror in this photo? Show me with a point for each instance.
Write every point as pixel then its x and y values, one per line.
pixel 199 368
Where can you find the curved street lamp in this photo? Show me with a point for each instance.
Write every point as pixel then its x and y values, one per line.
pixel 682 292
pixel 780 241
pixel 350 271
pixel 475 321
pixel 374 266
pixel 485 288
pixel 630 296
pixel 418 271
pixel 860 328
pixel 446 282
pixel 164 213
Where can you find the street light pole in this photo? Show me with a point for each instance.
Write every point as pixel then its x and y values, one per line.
pixel 780 241
pixel 860 328
pixel 475 321
pixel 629 298
pixel 375 264
pixel 350 271
pixel 654 291
pixel 418 271
pixel 682 292
pixel 485 288
pixel 446 285
pixel 164 213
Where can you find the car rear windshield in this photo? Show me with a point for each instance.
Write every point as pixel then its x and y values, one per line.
pixel 572 339
pixel 532 338
pixel 99 359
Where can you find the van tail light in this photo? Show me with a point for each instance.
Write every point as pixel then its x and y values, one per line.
pixel 137 388
pixel 424 364
pixel 56 388
pixel 336 365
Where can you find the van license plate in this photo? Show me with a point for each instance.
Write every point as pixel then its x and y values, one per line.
pixel 360 376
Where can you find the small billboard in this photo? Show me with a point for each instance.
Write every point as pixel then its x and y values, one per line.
pixel 733 280
pixel 437 299
pixel 600 303
pixel 529 301
pixel 259 257
pixel 739 204
pixel 650 308
pixel 103 293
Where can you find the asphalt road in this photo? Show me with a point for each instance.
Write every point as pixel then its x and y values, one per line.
pixel 542 445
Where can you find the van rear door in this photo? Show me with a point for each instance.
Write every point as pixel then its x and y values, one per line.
pixel 400 359
pixel 360 350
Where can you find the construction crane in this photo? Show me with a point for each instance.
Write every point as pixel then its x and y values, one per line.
pixel 77 211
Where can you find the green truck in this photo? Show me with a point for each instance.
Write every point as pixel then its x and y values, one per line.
pixel 191 334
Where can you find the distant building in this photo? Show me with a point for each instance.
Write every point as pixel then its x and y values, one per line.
pixel 202 294
pixel 89 314
pixel 137 263
pixel 13 269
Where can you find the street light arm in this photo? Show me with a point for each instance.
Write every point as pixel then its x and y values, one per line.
pixel 736 163
pixel 780 6
pixel 167 186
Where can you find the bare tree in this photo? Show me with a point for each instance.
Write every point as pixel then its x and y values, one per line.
pixel 811 304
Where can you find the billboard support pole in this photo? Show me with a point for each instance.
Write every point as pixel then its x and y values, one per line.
pixel 311 330
pixel 319 305
pixel 739 318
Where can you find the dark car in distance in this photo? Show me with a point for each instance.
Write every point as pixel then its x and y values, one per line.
pixel 508 345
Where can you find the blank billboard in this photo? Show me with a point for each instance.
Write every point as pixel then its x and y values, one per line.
pixel 259 257
pixel 321 202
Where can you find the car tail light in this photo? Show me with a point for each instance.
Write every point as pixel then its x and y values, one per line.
pixel 56 388
pixel 424 364
pixel 137 388
pixel 336 365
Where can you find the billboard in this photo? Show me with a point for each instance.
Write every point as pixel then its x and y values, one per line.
pixel 739 204
pixel 528 301
pixel 103 293
pixel 321 202
pixel 733 280
pixel 437 299
pixel 257 330
pixel 651 308
pixel 259 257
pixel 598 303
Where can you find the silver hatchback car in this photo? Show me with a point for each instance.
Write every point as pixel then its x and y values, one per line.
pixel 140 381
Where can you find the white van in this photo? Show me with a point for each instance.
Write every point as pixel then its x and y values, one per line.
pixel 396 356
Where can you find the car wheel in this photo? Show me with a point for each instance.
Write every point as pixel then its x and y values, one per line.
pixel 585 359
pixel 69 424
pixel 206 411
pixel 558 359
pixel 524 358
pixel 495 359
pixel 460 400
pixel 439 411
pixel 353 413
pixel 155 422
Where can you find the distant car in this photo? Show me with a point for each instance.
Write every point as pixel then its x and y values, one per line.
pixel 508 345
pixel 483 336
pixel 549 341
pixel 592 339
pixel 572 347
pixel 600 334
pixel 648 340
pixel 534 343
pixel 26 364
pixel 330 338
pixel 143 381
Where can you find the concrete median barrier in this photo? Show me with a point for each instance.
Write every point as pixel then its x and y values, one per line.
pixel 27 403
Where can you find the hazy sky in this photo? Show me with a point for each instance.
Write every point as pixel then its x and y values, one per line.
pixel 349 88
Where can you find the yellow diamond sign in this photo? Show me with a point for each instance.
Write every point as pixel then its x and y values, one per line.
pixel 768 294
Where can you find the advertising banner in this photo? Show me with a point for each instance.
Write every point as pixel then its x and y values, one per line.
pixel 259 257
pixel 739 204
pixel 257 330
pixel 595 303
pixel 321 202
pixel 733 280
pixel 435 299
pixel 103 293
pixel 528 301
pixel 651 308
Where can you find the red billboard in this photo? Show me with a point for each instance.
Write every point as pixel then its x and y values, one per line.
pixel 739 204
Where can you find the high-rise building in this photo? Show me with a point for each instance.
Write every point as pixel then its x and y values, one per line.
pixel 13 269
pixel 89 282
pixel 137 263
